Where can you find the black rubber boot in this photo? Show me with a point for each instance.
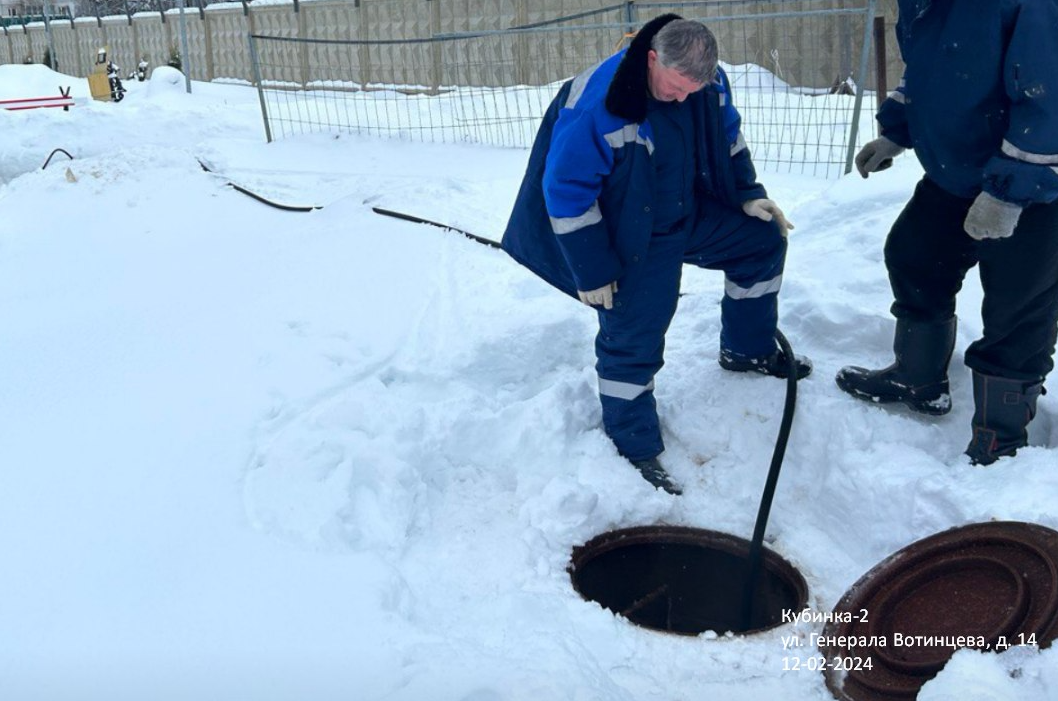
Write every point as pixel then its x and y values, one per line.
pixel 918 378
pixel 774 365
pixel 654 473
pixel 1003 409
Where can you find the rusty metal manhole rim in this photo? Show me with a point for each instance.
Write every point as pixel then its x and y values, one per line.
pixel 683 535
pixel 1023 554
pixel 705 539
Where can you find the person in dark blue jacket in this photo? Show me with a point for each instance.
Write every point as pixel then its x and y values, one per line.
pixel 639 165
pixel 979 106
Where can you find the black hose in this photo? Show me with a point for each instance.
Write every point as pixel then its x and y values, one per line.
pixel 272 203
pixel 419 220
pixel 756 550
pixel 58 150
pixel 261 198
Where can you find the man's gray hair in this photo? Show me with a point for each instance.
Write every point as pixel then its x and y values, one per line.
pixel 689 47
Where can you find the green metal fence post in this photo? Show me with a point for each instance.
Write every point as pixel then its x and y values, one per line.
pixel 861 79
pixel 260 86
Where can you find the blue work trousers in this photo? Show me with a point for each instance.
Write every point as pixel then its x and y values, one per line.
pixel 631 340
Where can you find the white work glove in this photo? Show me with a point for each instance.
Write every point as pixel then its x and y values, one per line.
pixel 603 296
pixel 877 155
pixel 767 210
pixel 991 218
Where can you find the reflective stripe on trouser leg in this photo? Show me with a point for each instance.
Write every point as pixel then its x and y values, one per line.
pixel 752 253
pixel 623 390
pixel 632 424
pixel 750 316
pixel 630 348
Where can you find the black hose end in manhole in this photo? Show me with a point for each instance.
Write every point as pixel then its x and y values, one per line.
pixel 989 586
pixel 684 580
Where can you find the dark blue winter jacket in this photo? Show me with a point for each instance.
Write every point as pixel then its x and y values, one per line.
pixel 584 210
pixel 979 98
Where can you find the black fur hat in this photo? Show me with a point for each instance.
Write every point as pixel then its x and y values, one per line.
pixel 627 96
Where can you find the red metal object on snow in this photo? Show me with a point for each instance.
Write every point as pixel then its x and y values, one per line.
pixel 63 100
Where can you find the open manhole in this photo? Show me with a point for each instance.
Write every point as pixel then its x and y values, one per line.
pixel 989 586
pixel 684 580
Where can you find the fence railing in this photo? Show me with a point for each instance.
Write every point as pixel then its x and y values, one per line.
pixel 217 46
pixel 492 87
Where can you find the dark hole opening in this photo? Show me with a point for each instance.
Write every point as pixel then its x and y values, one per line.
pixel 684 580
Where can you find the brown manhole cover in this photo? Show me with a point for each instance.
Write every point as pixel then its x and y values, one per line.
pixel 986 586
pixel 683 580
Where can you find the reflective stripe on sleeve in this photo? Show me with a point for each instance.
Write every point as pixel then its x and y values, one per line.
pixel 1038 158
pixel 579 83
pixel 567 225
pixel 898 94
pixel 628 134
pixel 740 143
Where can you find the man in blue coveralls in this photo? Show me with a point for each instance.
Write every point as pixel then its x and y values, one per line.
pixel 979 106
pixel 639 166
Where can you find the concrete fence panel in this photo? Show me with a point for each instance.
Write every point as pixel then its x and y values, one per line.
pixel 228 29
pixel 275 20
pixel 152 42
pixel 279 21
pixel 21 48
pixel 391 64
pixel 195 63
pixel 121 41
pixel 398 19
pixel 65 53
pixel 816 51
pixel 478 15
pixel 90 37
pixel 36 41
pixel 329 63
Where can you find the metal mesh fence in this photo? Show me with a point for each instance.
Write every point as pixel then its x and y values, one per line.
pixel 493 87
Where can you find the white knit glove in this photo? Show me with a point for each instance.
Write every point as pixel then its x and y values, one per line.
pixel 767 210
pixel 602 296
pixel 877 155
pixel 991 218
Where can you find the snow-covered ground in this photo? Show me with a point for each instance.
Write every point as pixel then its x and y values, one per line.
pixel 254 454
